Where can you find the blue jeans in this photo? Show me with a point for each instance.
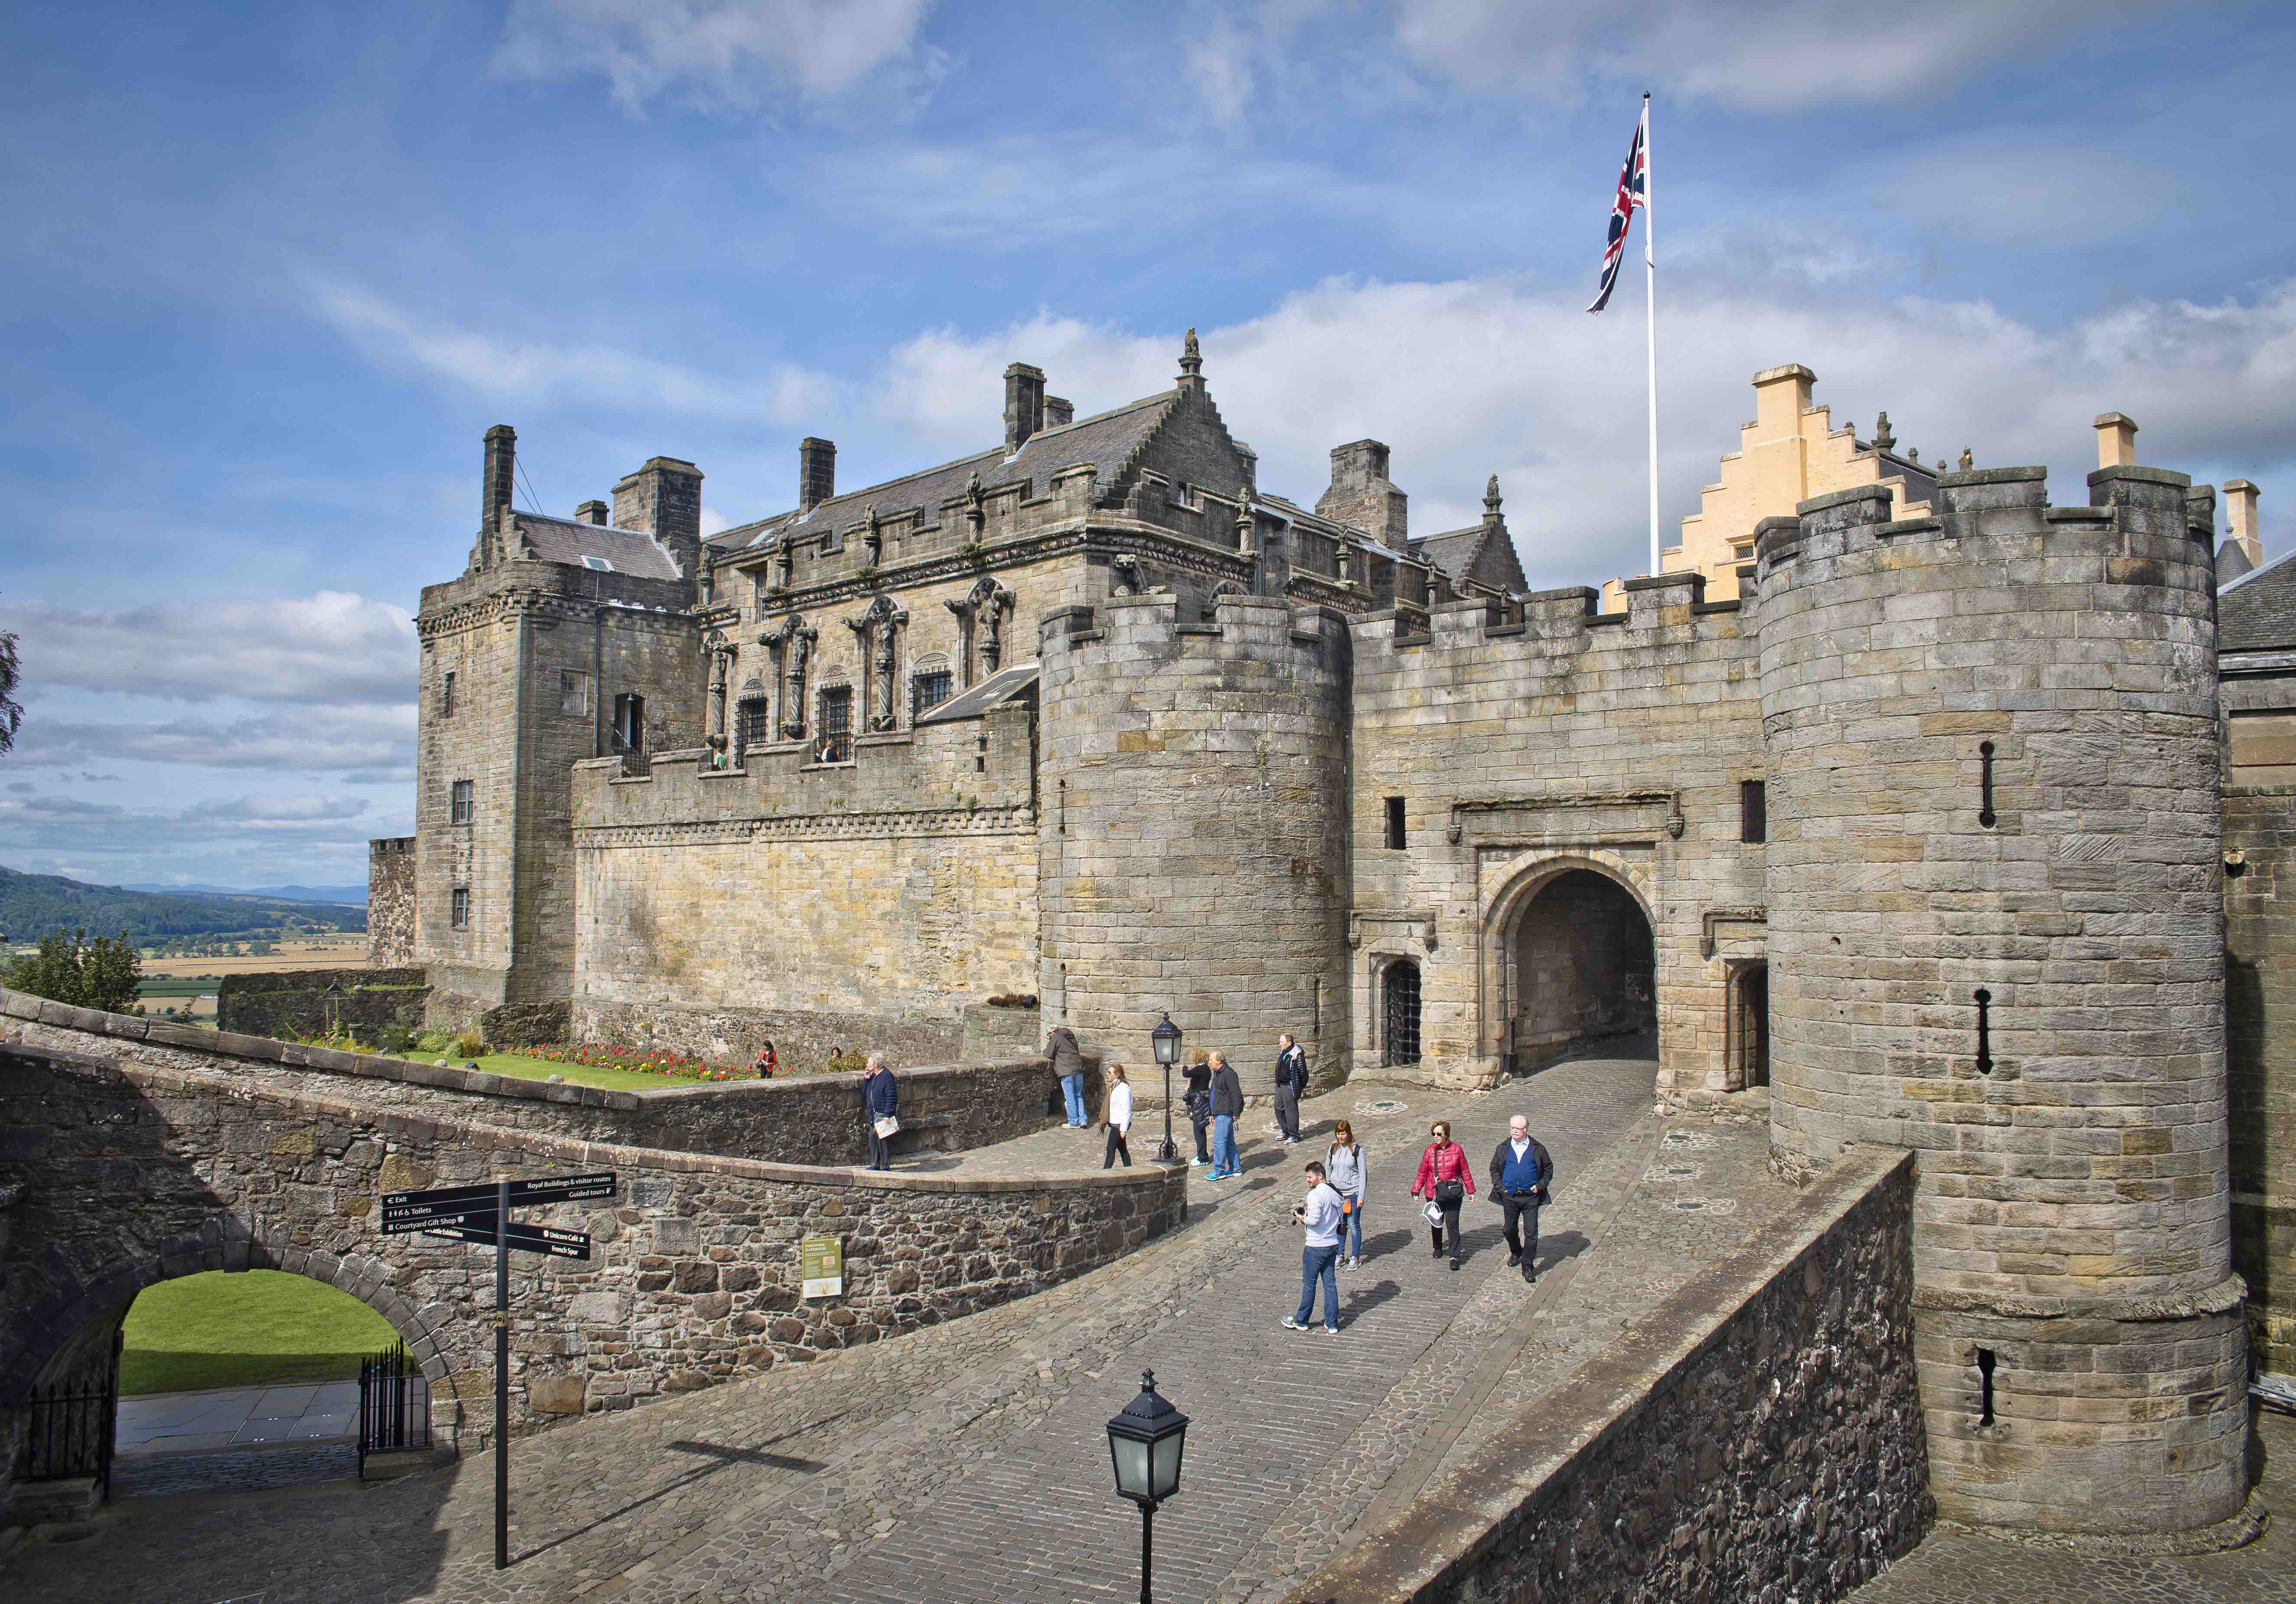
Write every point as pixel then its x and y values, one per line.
pixel 1225 1161
pixel 1352 1226
pixel 1319 1263
pixel 1072 1088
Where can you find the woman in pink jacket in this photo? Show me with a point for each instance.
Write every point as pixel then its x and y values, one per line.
pixel 1445 1180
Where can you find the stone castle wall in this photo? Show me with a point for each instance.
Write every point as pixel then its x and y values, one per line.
pixel 311 1002
pixel 2259 824
pixel 2081 1351
pixel 390 918
pixel 1614 743
pixel 1758 1437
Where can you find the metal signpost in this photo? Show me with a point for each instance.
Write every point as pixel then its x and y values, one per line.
pixel 481 1215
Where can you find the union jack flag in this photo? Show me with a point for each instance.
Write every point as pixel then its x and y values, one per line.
pixel 1634 190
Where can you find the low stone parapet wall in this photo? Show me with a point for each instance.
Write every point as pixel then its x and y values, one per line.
pixel 801 1119
pixel 128 1174
pixel 312 1002
pixel 1759 1437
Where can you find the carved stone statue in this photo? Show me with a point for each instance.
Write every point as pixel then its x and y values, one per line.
pixel 721 666
pixel 873 536
pixel 976 508
pixel 796 644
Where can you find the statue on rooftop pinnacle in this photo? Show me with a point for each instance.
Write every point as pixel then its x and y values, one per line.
pixel 1192 360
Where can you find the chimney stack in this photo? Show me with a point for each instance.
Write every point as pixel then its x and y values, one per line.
pixel 590 512
pixel 2240 505
pixel 816 473
pixel 1361 493
pixel 2116 441
pixel 1059 413
pixel 502 463
pixel 1024 404
pixel 663 499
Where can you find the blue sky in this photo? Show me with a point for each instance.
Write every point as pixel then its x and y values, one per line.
pixel 273 270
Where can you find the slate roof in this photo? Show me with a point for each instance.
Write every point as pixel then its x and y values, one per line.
pixel 2257 611
pixel 1003 686
pixel 1472 554
pixel 1108 440
pixel 568 540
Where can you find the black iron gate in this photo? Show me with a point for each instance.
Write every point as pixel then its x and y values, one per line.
pixel 71 1429
pixel 394 1404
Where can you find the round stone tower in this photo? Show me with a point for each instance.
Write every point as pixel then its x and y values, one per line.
pixel 1194 828
pixel 1996 936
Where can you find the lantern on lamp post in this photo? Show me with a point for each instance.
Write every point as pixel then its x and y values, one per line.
pixel 1144 1443
pixel 1166 1039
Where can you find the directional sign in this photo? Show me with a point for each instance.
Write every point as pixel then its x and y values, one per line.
pixel 444 1195
pixel 523 1239
pixel 422 1216
pixel 560 1188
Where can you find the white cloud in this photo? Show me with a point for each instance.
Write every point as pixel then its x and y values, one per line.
pixel 545 374
pixel 1474 376
pixel 105 843
pixel 1219 70
pixel 1784 56
pixel 378 739
pixel 331 647
pixel 721 54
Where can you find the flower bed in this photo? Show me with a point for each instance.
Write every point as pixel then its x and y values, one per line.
pixel 635 1060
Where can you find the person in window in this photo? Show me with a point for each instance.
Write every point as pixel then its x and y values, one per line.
pixel 1444 1180
pixel 879 1101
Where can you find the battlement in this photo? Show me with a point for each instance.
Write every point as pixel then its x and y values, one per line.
pixel 1667 610
pixel 1141 627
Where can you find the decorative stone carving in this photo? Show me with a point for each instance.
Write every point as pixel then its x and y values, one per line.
pixel 793 644
pixel 721 653
pixel 1884 441
pixel 873 536
pixel 976 509
pixel 875 628
pixel 981 613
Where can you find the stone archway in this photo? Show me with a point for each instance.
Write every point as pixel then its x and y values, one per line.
pixel 1747 1056
pixel 1573 950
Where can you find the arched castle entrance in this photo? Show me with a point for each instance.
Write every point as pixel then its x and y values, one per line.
pixel 1573 962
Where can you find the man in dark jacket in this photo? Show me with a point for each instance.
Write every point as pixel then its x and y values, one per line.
pixel 1227 1107
pixel 879 1100
pixel 1291 1080
pixel 1068 1064
pixel 1520 1172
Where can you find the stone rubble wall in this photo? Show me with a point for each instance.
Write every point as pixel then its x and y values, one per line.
pixel 390 914
pixel 2259 824
pixel 1759 1436
pixel 125 1175
pixel 802 1119
pixel 308 1002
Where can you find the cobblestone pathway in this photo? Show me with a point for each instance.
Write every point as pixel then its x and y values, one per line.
pixel 968 1462
pixel 1957 1567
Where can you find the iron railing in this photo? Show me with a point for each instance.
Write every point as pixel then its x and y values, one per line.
pixel 71 1430
pixel 394 1404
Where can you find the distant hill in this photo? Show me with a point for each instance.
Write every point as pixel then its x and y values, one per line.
pixel 350 896
pixel 32 905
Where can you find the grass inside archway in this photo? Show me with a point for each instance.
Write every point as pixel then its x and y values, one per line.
pixel 245 1329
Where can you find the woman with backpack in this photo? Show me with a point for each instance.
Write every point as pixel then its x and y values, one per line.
pixel 1447 1182
pixel 1344 1172
pixel 1117 1117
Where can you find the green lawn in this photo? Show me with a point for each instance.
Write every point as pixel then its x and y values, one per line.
pixel 580 1074
pixel 219 1328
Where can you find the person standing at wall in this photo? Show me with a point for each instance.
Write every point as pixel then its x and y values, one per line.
pixel 1068 1064
pixel 1118 1117
pixel 767 1062
pixel 881 1102
pixel 1318 1214
pixel 1344 1168
pixel 1444 1180
pixel 1291 1080
pixel 1198 1101
pixel 1227 1107
pixel 1519 1171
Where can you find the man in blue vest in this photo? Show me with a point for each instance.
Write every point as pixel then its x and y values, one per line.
pixel 1520 1172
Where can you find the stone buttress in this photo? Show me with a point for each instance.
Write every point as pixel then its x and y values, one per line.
pixel 1995 923
pixel 1194 828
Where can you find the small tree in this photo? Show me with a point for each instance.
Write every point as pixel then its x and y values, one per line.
pixel 11 714
pixel 104 974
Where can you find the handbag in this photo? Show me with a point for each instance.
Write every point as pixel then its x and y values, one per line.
pixel 885 1127
pixel 1450 1194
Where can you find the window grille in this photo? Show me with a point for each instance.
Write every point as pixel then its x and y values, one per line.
pixel 462 806
pixel 459 908
pixel 573 691
pixel 931 690
pixel 757 723
pixel 1754 812
pixel 1399 1011
pixel 836 724
pixel 446 696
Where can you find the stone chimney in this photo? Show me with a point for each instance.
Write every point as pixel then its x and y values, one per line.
pixel 1780 395
pixel 816 473
pixel 663 499
pixel 501 464
pixel 2240 506
pixel 1059 414
pixel 1024 404
pixel 590 512
pixel 1361 495
pixel 2116 441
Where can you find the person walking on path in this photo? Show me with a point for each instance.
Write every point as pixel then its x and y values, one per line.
pixel 1119 1118
pixel 1444 1180
pixel 1519 1171
pixel 1227 1107
pixel 766 1062
pixel 1318 1214
pixel 1198 1098
pixel 1291 1080
pixel 1068 1064
pixel 1344 1168
pixel 881 1101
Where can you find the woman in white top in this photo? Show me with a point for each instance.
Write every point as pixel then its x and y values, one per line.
pixel 1117 1117
pixel 1344 1172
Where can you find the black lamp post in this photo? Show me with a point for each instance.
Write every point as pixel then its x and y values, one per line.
pixel 1145 1443
pixel 1166 1039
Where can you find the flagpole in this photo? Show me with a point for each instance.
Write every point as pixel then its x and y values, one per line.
pixel 1650 322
